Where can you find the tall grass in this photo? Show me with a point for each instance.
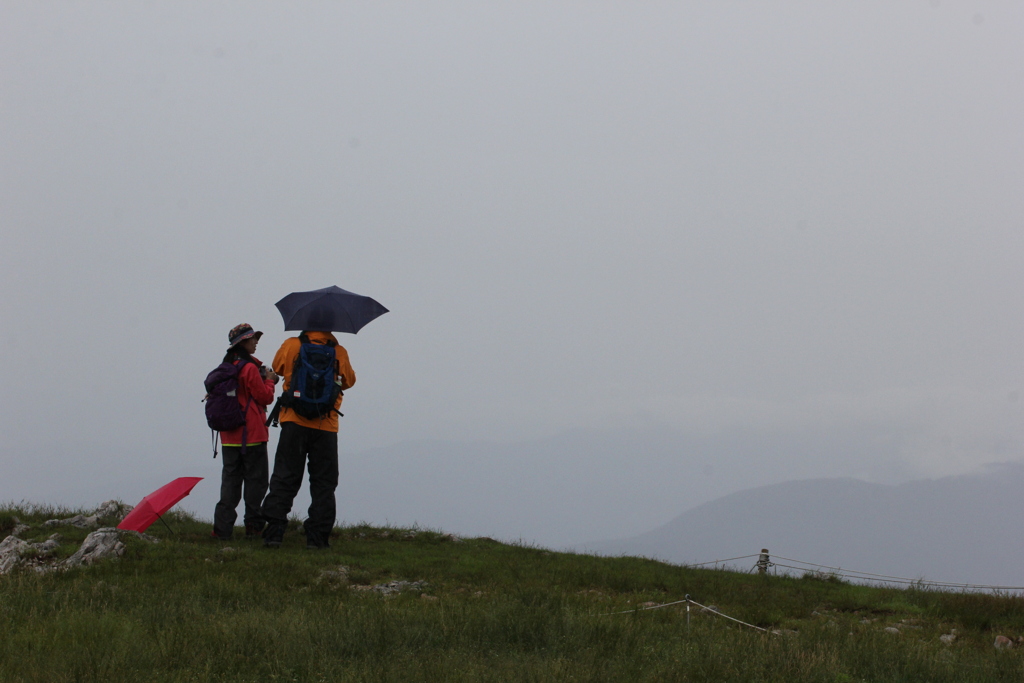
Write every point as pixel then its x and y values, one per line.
pixel 188 609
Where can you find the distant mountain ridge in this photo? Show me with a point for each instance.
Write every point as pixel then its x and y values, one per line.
pixel 965 528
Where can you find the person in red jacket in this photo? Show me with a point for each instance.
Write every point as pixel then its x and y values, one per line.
pixel 245 464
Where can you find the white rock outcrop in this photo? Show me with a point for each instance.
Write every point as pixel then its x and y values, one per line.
pixel 11 550
pixel 78 521
pixel 392 587
pixel 98 545
pixel 112 508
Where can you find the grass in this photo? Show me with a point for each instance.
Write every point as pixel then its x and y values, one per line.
pixel 189 609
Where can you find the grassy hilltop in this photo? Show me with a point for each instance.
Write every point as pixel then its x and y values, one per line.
pixel 192 609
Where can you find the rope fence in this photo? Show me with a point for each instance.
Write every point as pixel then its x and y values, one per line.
pixel 731 559
pixel 764 563
pixel 687 601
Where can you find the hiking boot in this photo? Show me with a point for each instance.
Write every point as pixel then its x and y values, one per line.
pixel 217 537
pixel 253 530
pixel 273 535
pixel 315 540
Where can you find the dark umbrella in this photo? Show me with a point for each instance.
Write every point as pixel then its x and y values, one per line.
pixel 330 309
pixel 157 503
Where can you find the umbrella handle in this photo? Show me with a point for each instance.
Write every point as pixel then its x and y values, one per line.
pixel 165 524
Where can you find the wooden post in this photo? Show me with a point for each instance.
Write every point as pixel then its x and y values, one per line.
pixel 763 562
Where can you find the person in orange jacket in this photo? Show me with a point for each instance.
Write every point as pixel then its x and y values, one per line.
pixel 245 467
pixel 304 439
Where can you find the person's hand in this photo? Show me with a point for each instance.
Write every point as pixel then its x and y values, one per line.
pixel 272 376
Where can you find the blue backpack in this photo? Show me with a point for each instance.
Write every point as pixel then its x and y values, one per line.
pixel 312 390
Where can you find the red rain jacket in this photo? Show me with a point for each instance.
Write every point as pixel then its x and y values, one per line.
pixel 250 383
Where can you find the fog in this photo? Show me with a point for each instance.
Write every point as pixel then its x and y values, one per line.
pixel 703 219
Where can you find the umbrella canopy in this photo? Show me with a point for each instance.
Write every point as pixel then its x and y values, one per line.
pixel 157 503
pixel 331 309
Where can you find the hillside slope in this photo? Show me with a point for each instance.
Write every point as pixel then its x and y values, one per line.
pixel 388 604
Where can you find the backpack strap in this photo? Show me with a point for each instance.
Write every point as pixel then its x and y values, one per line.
pixel 245 411
pixel 245 426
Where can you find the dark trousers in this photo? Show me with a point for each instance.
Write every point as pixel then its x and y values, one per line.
pixel 241 472
pixel 299 445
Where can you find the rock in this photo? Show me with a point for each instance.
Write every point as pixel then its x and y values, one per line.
pixel 20 529
pixel 892 629
pixel 11 549
pixel 98 545
pixel 139 535
pixel 947 638
pixel 392 587
pixel 1003 643
pixel 112 508
pixel 647 605
pixel 428 598
pixel 83 522
pixel 78 521
pixel 47 546
pixel 339 575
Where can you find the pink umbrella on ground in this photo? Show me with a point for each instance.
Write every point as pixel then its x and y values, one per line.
pixel 157 503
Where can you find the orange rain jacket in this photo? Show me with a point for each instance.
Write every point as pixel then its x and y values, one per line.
pixel 283 364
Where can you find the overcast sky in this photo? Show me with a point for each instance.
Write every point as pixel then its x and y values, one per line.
pixel 778 216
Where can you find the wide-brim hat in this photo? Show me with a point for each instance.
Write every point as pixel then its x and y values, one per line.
pixel 239 333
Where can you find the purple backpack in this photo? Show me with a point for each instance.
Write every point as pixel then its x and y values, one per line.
pixel 223 411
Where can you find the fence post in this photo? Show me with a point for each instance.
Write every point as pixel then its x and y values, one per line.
pixel 763 562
